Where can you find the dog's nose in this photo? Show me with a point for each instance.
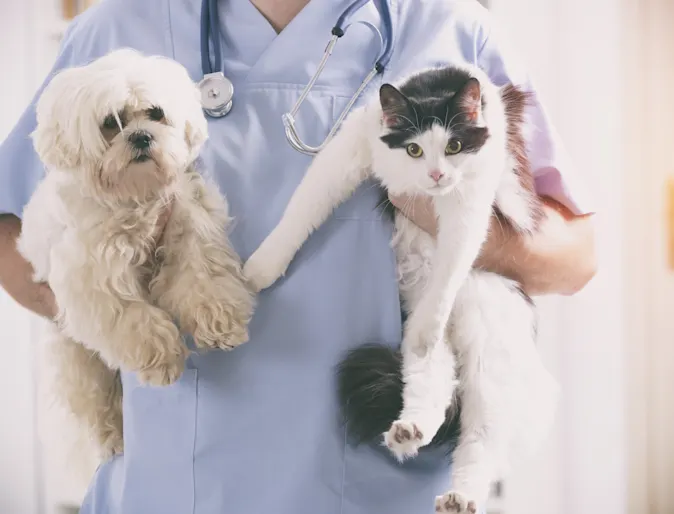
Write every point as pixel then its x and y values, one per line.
pixel 140 139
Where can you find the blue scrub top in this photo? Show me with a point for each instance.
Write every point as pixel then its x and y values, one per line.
pixel 256 430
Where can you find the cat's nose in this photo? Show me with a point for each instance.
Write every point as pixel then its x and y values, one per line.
pixel 436 175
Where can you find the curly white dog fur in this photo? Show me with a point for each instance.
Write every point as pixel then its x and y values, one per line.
pixel 119 138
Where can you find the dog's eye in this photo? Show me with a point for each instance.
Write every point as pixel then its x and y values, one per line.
pixel 110 122
pixel 156 114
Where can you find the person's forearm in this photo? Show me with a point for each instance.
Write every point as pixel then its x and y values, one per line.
pixel 16 273
pixel 558 259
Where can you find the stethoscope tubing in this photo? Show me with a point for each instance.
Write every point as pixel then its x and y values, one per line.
pixel 210 27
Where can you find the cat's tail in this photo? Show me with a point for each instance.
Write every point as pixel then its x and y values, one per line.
pixel 370 388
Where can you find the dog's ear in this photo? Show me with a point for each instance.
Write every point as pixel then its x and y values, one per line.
pixel 56 138
pixel 196 131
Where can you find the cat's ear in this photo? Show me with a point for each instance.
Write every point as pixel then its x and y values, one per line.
pixel 469 99
pixel 393 104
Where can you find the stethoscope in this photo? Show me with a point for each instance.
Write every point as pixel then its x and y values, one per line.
pixel 217 91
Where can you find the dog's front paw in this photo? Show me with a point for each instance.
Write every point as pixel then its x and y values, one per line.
pixel 265 266
pixel 455 503
pixel 220 326
pixel 161 360
pixel 226 342
pixel 404 439
pixel 163 373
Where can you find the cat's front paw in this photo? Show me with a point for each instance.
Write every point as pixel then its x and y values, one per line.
pixel 265 266
pixel 455 503
pixel 404 439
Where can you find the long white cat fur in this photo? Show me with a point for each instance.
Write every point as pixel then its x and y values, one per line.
pixel 465 327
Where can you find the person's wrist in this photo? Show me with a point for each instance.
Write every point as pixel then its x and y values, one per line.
pixel 419 210
pixel 503 252
pixel 47 302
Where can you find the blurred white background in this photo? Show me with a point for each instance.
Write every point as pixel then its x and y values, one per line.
pixel 604 69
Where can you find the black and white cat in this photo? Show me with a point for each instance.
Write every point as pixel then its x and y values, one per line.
pixel 469 338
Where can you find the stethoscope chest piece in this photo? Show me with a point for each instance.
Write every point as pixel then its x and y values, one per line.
pixel 217 92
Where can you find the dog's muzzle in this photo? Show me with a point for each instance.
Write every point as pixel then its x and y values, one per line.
pixel 141 141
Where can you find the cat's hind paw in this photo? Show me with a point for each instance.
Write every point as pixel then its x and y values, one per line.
pixel 454 503
pixel 404 439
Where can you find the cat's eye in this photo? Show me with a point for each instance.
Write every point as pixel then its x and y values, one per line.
pixel 453 147
pixel 156 113
pixel 414 150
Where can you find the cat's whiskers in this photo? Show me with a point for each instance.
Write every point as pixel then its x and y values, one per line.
pixel 383 202
pixel 460 113
pixel 436 118
pixel 412 200
pixel 500 223
pixel 381 206
pixel 373 185
pixel 415 128
pixel 405 209
pixel 416 115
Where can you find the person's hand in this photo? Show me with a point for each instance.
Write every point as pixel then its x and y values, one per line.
pixel 45 303
pixel 559 258
pixel 419 209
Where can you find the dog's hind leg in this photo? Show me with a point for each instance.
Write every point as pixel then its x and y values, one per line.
pixel 89 390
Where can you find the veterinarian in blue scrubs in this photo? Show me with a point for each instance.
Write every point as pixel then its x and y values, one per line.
pixel 256 430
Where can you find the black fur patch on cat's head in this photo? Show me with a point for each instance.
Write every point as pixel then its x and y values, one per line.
pixel 448 97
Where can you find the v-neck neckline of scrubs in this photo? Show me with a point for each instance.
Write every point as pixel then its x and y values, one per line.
pixel 247 56
pixel 256 11
pixel 245 16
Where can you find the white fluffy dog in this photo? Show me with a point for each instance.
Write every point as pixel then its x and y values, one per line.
pixel 119 138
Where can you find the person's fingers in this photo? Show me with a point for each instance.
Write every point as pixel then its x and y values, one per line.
pixel 47 302
pixel 419 209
